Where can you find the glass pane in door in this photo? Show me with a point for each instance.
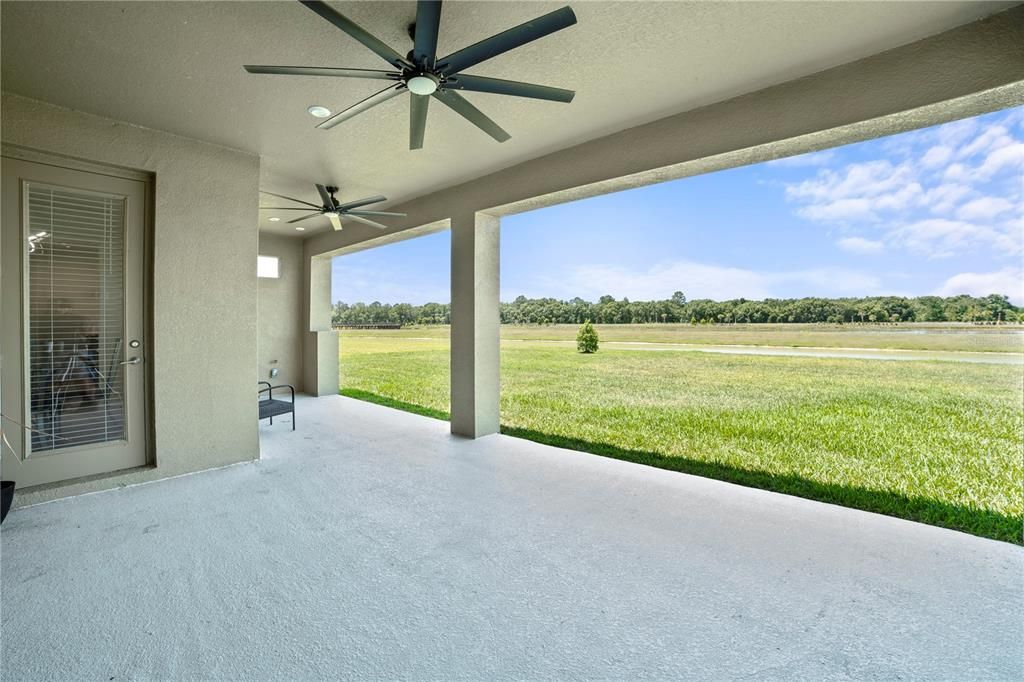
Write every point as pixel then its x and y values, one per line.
pixel 76 316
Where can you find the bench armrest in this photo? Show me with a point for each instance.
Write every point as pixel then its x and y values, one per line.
pixel 270 389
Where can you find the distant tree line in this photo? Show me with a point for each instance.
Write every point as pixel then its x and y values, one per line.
pixel 608 310
pixel 387 313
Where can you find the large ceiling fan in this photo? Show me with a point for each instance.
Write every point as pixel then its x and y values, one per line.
pixel 333 209
pixel 423 75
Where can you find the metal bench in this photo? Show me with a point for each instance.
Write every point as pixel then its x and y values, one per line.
pixel 271 407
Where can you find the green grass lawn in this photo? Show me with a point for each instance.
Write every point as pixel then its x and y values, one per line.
pixel 938 442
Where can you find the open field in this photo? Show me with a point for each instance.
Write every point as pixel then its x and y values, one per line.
pixel 906 336
pixel 939 442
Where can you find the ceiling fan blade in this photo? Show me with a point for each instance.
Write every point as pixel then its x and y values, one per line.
pixel 461 106
pixel 360 107
pixel 281 196
pixel 358 32
pixel 498 86
pixel 367 222
pixel 418 120
pixel 323 71
pixel 361 202
pixel 283 208
pixel 325 196
pixel 305 217
pixel 335 221
pixel 507 40
pixel 376 213
pixel 428 21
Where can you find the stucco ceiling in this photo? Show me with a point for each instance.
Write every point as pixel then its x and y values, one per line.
pixel 177 66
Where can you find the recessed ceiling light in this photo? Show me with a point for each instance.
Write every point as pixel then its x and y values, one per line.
pixel 300 229
pixel 274 220
pixel 319 111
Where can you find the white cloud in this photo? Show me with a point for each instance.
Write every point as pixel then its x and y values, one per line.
pixel 936 156
pixel 955 133
pixel 900 199
pixel 1014 117
pixel 991 139
pixel 861 192
pixel 1008 157
pixel 700 280
pixel 939 192
pixel 860 245
pixel 1008 282
pixel 943 198
pixel 358 284
pixel 956 172
pixel 942 238
pixel 840 211
pixel 869 179
pixel 984 208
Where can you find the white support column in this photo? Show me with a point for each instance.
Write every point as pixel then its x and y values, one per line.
pixel 320 342
pixel 475 325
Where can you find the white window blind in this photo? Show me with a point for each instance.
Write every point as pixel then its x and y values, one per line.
pixel 76 316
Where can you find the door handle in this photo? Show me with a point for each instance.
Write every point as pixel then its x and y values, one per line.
pixel 133 361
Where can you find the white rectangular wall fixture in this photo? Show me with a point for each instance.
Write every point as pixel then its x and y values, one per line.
pixel 268 267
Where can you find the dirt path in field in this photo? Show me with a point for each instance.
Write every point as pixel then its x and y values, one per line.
pixel 809 352
pixel 987 358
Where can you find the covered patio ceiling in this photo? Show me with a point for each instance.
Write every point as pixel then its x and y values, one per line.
pixel 178 67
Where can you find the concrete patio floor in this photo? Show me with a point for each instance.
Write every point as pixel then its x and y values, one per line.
pixel 370 543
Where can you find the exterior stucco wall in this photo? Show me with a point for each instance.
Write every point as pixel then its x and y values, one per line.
pixel 204 291
pixel 280 313
pixel 320 354
pixel 320 349
pixel 476 324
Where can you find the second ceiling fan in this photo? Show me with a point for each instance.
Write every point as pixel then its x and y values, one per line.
pixel 423 75
pixel 333 210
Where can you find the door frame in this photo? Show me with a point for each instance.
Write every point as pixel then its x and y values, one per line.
pixel 58 161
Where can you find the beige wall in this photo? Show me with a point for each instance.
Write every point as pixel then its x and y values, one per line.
pixel 476 324
pixel 320 342
pixel 204 289
pixel 280 313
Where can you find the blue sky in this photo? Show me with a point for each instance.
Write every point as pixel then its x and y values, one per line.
pixel 933 211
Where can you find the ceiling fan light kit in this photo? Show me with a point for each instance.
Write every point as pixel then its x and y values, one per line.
pixel 421 74
pixel 423 84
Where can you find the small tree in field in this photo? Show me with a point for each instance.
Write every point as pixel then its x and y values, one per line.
pixel 586 338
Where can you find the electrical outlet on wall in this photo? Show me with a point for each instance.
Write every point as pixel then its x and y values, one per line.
pixel 273 373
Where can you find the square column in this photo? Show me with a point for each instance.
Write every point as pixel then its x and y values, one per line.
pixel 475 325
pixel 320 341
